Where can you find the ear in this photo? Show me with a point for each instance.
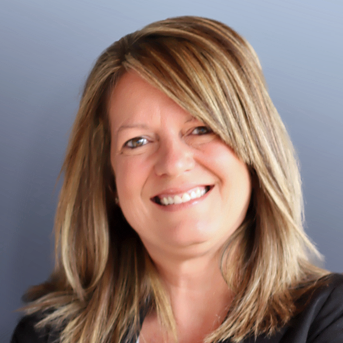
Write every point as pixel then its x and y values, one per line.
pixel 116 199
pixel 111 184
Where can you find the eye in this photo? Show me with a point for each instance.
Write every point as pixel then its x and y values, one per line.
pixel 136 142
pixel 202 130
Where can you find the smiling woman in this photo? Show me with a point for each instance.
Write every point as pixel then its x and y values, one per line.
pixel 180 216
pixel 188 178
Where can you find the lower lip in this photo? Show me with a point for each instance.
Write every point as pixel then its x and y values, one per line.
pixel 177 207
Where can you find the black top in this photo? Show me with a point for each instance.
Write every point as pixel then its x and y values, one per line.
pixel 320 322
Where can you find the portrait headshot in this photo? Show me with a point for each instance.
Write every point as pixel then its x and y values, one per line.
pixel 172 172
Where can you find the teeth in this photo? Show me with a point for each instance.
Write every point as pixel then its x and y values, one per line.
pixel 185 197
pixel 181 198
pixel 177 199
pixel 164 201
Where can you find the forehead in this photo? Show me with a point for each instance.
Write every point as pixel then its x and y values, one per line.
pixel 133 99
pixel 131 89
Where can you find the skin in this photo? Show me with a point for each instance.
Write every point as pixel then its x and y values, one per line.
pixel 159 149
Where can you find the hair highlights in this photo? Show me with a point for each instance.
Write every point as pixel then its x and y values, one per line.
pixel 103 277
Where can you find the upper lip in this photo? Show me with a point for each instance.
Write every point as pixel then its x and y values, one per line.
pixel 178 190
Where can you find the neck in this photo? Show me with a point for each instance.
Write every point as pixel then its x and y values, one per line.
pixel 198 293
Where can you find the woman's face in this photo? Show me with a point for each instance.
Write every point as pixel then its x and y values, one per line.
pixel 180 187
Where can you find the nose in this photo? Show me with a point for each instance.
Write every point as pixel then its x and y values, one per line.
pixel 174 157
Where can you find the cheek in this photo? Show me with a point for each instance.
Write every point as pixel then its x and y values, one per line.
pixel 240 191
pixel 222 158
pixel 233 173
pixel 130 177
pixel 130 180
pixel 124 179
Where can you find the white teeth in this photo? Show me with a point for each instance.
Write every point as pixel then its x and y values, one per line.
pixel 177 199
pixel 186 197
pixel 164 201
pixel 181 198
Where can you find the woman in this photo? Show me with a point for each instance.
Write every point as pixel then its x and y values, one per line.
pixel 180 216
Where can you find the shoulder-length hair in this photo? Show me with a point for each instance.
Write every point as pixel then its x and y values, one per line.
pixel 104 278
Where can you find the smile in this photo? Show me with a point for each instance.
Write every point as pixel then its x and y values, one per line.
pixel 181 198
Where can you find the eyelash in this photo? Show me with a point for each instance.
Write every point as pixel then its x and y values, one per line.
pixel 133 140
pixel 208 130
pixel 130 142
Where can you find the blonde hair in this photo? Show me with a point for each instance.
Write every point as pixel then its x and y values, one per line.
pixel 104 280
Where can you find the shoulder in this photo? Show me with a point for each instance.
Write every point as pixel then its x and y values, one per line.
pixel 326 309
pixel 326 298
pixel 26 331
pixel 322 318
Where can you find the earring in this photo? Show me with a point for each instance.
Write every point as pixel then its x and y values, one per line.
pixel 116 200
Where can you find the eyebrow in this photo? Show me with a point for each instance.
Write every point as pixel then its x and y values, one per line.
pixel 143 126
pixel 191 118
pixel 133 126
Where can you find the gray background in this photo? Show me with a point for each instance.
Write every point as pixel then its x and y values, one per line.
pixel 48 47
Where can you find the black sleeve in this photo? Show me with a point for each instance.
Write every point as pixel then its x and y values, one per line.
pixel 327 327
pixel 25 331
